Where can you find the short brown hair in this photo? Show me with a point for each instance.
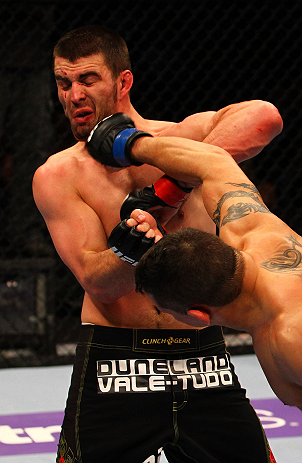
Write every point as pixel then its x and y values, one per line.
pixel 190 267
pixel 94 39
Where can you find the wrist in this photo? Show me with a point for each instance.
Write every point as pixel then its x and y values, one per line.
pixel 139 149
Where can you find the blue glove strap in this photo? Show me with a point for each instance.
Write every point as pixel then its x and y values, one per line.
pixel 118 149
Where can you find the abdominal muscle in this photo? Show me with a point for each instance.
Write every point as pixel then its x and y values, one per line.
pixel 130 311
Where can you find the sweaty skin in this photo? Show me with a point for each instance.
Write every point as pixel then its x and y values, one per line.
pixel 80 199
pixel 269 305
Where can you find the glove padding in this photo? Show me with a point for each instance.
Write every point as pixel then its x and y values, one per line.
pixel 111 140
pixel 165 192
pixel 128 243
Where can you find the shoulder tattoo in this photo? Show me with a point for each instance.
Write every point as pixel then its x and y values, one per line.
pixel 240 209
pixel 287 259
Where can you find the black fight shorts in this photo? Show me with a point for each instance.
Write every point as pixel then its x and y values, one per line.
pixel 134 393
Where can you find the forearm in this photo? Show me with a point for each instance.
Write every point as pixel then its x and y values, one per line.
pixel 183 159
pixel 106 277
pixel 244 129
pixel 191 162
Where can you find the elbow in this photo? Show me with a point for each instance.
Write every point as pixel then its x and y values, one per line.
pixel 269 120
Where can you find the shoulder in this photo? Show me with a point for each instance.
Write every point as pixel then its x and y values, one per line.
pixel 60 164
pixel 269 237
pixel 59 176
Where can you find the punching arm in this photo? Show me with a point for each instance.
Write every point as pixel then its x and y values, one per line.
pixel 111 139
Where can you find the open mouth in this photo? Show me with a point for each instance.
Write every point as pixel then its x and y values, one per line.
pixel 82 116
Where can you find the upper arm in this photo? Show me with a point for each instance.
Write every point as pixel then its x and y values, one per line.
pixel 240 212
pixel 196 127
pixel 73 225
pixel 244 129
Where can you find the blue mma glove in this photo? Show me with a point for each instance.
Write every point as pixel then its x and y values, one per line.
pixel 111 140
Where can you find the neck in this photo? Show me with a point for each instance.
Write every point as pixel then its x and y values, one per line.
pixel 138 120
pixel 125 106
pixel 243 313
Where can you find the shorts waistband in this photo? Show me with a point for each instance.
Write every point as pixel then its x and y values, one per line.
pixel 151 340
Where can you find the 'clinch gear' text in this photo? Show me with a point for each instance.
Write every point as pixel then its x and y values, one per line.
pixel 168 341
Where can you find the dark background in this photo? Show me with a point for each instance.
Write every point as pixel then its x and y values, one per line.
pixel 187 57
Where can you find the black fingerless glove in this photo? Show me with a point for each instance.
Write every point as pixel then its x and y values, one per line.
pixel 165 192
pixel 111 140
pixel 128 243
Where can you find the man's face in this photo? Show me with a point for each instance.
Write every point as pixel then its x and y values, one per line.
pixel 86 91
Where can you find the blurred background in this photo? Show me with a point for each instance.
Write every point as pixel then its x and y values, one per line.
pixel 187 57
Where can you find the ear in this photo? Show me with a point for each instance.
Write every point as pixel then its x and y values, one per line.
pixel 125 82
pixel 200 314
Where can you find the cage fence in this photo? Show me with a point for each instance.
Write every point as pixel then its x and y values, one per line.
pixel 187 57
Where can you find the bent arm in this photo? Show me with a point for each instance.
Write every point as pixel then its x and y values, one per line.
pixel 242 129
pixel 191 162
pixel 79 237
pixel 230 198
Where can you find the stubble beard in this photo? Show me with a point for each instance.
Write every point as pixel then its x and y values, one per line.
pixel 81 133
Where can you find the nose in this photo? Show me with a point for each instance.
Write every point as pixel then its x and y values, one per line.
pixel 77 92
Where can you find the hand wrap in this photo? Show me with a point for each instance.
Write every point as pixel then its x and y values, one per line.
pixel 128 243
pixel 111 140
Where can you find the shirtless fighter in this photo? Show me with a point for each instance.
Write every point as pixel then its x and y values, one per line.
pixel 124 403
pixel 248 279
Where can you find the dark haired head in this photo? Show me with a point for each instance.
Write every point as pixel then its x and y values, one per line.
pixel 190 267
pixel 94 39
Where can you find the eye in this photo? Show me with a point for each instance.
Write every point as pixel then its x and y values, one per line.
pixel 89 81
pixel 63 84
pixel 89 78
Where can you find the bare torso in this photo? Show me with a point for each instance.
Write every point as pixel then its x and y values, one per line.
pixel 103 189
pixel 132 309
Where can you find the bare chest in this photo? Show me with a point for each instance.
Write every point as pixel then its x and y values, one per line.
pixel 104 190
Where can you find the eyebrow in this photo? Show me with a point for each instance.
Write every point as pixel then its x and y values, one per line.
pixel 81 76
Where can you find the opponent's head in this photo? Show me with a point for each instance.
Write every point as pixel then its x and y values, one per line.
pixel 93 74
pixel 189 268
pixel 93 40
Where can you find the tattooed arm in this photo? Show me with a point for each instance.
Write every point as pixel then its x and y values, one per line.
pixel 248 203
pixel 231 200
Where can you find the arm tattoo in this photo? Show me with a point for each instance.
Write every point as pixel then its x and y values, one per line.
pixel 236 211
pixel 248 186
pixel 287 259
